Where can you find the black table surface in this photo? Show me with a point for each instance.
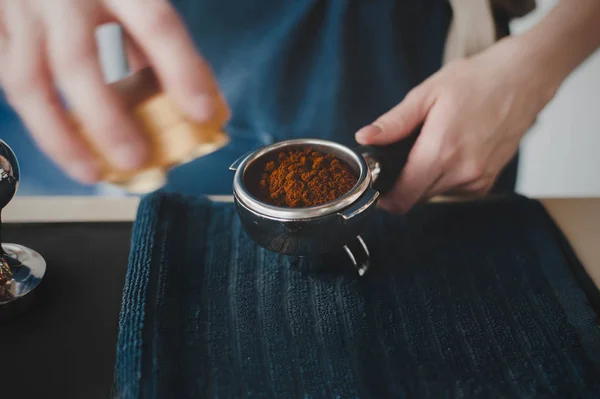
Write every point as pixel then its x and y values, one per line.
pixel 64 346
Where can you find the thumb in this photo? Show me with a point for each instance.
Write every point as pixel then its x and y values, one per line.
pixel 400 121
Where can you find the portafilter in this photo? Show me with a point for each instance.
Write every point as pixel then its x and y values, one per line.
pixel 322 229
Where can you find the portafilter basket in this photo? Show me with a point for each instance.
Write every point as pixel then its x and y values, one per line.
pixel 323 229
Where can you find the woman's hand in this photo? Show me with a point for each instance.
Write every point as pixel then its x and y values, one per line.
pixel 475 112
pixel 49 45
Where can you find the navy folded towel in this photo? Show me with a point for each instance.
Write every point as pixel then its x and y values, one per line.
pixel 463 300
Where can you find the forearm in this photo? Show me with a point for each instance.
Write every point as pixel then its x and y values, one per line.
pixel 564 39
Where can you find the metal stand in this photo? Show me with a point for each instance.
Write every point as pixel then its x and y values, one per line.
pixel 352 258
pixel 359 255
pixel 21 268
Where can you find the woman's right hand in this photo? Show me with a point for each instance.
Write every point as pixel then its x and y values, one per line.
pixel 50 45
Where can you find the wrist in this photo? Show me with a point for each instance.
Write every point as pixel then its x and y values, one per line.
pixel 561 41
pixel 538 69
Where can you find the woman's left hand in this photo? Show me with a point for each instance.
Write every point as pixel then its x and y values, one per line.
pixel 475 112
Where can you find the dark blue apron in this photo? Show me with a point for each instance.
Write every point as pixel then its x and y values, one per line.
pixel 308 68
pixel 294 68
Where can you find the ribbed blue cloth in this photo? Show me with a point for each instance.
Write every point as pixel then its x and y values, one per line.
pixel 463 300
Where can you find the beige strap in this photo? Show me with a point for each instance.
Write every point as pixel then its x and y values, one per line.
pixel 514 8
pixel 472 29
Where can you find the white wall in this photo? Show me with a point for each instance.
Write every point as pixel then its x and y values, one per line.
pixel 561 154
pixel 110 50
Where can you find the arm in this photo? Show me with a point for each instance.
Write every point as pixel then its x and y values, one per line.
pixel 476 110
pixel 563 40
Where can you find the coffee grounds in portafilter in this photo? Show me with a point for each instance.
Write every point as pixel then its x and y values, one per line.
pixel 304 178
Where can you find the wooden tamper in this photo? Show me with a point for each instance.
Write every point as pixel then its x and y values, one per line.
pixel 174 138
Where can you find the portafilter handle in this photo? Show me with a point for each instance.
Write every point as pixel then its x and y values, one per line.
pixel 386 162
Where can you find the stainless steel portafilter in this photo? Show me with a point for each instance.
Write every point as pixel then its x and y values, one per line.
pixel 323 229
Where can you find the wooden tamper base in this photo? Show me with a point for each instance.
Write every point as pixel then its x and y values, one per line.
pixel 174 139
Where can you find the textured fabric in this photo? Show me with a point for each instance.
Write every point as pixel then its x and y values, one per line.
pixel 463 300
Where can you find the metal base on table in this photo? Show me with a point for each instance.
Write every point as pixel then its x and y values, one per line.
pixel 353 258
pixel 359 255
pixel 21 271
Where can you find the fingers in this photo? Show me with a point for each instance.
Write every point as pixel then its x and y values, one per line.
pixel 440 160
pixel 400 121
pixel 29 89
pixel 463 178
pixel 160 33
pixel 76 67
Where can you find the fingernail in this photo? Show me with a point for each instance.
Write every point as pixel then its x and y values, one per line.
pixel 202 108
pixel 84 171
pixel 367 132
pixel 128 155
